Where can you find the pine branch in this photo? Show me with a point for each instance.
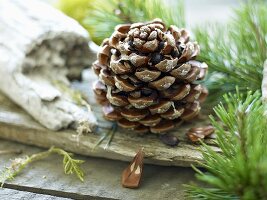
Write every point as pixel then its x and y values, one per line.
pixel 107 14
pixel 235 51
pixel 199 193
pixel 70 165
pixel 239 172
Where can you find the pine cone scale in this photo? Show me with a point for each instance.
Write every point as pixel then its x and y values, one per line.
pixel 147 75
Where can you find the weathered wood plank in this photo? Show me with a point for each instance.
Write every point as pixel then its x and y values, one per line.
pixel 6 194
pixel 102 178
pixel 16 125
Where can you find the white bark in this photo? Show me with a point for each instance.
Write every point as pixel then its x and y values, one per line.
pixel 38 47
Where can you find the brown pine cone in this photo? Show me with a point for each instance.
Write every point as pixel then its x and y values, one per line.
pixel 147 75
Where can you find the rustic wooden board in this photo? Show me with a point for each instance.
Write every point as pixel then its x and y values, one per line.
pixel 102 179
pixel 17 125
pixel 19 195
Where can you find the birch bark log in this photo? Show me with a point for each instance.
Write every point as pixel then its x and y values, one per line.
pixel 40 46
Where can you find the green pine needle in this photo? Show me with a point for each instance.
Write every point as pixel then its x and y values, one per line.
pixel 106 14
pixel 199 193
pixel 240 171
pixel 70 165
pixel 235 52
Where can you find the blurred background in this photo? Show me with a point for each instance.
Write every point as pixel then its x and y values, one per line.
pixel 197 12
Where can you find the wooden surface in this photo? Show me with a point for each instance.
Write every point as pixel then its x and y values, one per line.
pixel 102 179
pixel 21 195
pixel 16 125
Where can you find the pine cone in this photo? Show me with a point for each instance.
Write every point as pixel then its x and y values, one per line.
pixel 146 77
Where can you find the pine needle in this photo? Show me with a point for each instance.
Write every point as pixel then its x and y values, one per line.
pixel 240 171
pixel 235 52
pixel 106 14
pixel 70 165
pixel 110 134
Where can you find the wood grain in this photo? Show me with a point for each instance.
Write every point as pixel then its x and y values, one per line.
pixel 102 178
pixel 18 126
pixel 18 195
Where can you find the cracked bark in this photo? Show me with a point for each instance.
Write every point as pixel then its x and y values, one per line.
pixel 40 46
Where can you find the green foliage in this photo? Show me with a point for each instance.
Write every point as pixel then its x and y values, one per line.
pixel 235 52
pixel 106 14
pixel 70 165
pixel 240 170
pixel 78 10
